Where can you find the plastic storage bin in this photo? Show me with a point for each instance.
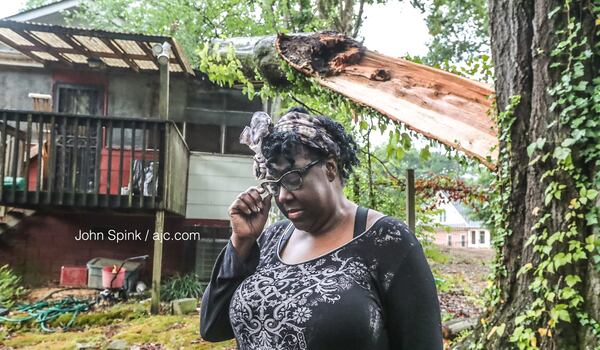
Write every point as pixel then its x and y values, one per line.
pixel 96 265
pixel 73 276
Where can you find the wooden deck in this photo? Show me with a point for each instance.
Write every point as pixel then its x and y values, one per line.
pixel 50 160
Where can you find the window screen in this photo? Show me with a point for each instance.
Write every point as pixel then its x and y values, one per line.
pixel 232 141
pixel 203 137
pixel 208 250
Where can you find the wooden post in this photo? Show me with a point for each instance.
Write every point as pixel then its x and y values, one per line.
pixel 410 199
pixel 159 224
pixel 157 261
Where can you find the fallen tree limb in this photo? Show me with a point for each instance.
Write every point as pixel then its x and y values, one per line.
pixel 439 105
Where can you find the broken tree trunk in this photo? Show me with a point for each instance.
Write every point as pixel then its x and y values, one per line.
pixel 439 105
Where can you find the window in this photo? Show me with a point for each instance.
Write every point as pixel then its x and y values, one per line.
pixel 473 237
pixel 203 137
pixel 208 251
pixel 212 241
pixel 482 237
pixel 79 99
pixel 463 240
pixel 443 216
pixel 449 240
pixel 215 118
pixel 232 141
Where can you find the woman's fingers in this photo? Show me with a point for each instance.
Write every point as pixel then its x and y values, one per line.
pixel 248 202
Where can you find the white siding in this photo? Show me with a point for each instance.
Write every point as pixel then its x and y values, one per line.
pixel 214 182
pixel 452 216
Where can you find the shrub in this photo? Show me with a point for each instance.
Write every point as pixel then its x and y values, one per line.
pixel 182 286
pixel 10 286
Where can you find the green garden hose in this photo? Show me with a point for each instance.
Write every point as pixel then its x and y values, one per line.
pixel 42 312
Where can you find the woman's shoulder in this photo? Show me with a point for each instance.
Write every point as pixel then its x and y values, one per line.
pixel 390 232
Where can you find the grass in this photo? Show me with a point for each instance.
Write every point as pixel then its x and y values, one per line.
pixel 433 253
pixel 128 322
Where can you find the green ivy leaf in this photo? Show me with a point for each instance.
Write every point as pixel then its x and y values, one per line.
pixel 524 269
pixel 425 154
pixel 561 153
pixel 572 280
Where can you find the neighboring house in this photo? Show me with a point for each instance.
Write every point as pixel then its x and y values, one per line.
pixel 457 230
pixel 95 159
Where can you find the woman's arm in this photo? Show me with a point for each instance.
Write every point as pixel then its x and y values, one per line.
pixel 229 271
pixel 248 214
pixel 411 304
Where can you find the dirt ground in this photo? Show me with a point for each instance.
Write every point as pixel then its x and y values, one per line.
pixel 464 277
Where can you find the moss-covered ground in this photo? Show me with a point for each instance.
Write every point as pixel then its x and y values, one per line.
pixel 129 322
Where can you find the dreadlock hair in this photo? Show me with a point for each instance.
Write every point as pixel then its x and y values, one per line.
pixel 286 144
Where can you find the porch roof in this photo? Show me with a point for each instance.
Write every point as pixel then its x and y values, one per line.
pixel 67 47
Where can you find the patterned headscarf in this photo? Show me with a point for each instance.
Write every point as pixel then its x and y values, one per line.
pixel 308 129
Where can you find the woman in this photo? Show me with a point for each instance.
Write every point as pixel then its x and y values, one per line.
pixel 333 275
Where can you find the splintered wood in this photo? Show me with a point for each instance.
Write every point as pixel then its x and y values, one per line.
pixel 439 105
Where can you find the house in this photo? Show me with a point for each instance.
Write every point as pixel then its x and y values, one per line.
pixel 84 149
pixel 456 229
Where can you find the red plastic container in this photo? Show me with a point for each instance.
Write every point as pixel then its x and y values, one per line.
pixel 73 276
pixel 108 275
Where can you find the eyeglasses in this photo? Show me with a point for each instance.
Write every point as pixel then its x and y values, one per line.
pixel 292 180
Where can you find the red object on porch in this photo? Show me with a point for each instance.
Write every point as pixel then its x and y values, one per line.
pixel 73 276
pixel 108 275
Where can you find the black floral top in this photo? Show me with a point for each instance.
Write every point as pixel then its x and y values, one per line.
pixel 375 292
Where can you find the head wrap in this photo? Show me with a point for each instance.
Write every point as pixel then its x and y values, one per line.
pixel 309 130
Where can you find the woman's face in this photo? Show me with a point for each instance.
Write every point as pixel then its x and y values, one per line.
pixel 310 205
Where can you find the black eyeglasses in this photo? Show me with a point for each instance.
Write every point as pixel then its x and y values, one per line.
pixel 292 180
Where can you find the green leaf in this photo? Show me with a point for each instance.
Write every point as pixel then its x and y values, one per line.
pixel 425 154
pixel 561 153
pixel 591 194
pixel 500 329
pixel 363 125
pixel 572 280
pixel 524 269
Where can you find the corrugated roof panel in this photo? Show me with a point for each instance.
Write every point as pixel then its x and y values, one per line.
pixel 14 37
pixel 76 58
pixel 174 67
pixel 115 62
pixel 52 40
pixel 44 55
pixel 148 65
pixel 130 47
pixel 93 44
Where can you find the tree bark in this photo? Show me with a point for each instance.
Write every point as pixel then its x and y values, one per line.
pixel 522 38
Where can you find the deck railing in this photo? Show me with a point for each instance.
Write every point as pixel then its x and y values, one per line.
pixel 62 160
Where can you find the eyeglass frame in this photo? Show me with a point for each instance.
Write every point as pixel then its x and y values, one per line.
pixel 301 171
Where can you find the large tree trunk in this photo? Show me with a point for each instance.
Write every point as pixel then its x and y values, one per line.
pixel 522 38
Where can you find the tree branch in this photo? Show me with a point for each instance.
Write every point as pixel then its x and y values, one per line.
pixel 385 168
pixel 359 19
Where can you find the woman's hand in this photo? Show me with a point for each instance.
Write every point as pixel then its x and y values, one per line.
pixel 248 214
